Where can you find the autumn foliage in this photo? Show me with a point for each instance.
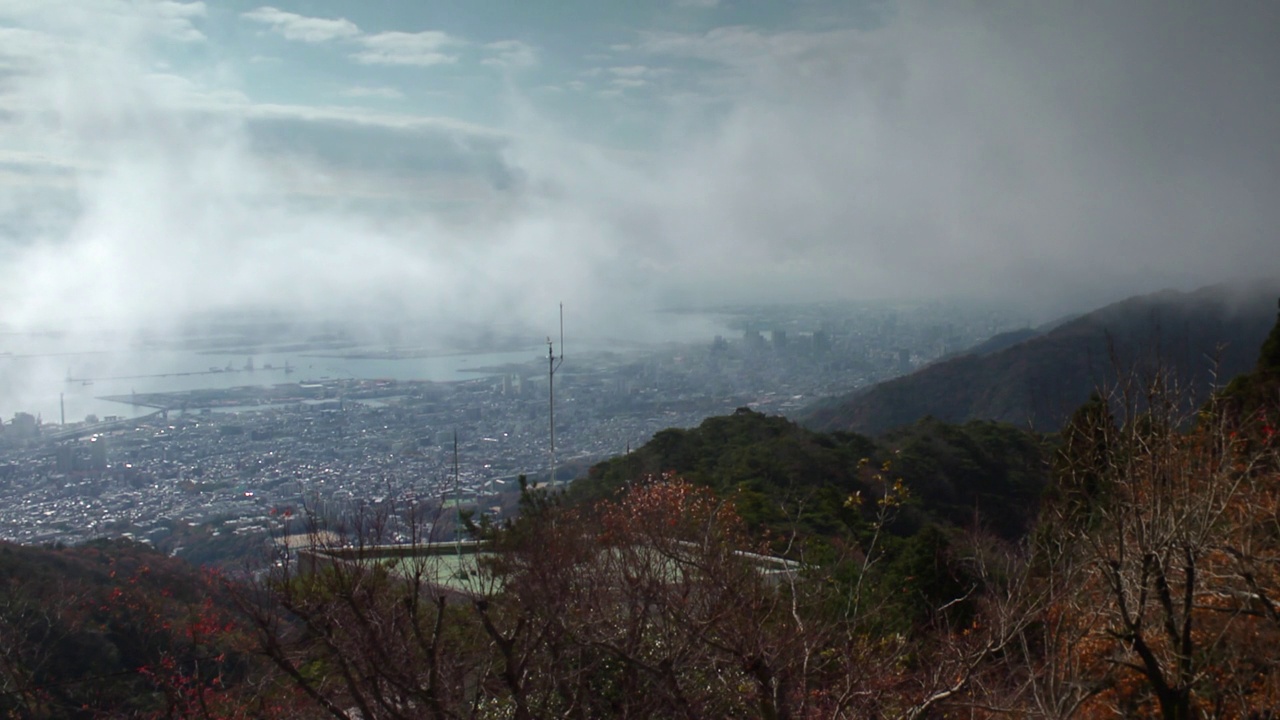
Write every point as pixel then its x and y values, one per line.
pixel 114 629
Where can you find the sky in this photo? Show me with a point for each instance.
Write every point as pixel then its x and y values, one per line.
pixel 481 161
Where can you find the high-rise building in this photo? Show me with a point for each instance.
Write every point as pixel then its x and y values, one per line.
pixel 821 341
pixel 98 453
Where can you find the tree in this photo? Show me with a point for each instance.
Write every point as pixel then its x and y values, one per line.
pixel 655 604
pixel 363 636
pixel 1174 530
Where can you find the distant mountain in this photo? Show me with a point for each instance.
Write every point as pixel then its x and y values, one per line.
pixel 996 343
pixel 1203 338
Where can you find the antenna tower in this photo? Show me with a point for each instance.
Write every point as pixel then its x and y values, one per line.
pixel 457 499
pixel 553 364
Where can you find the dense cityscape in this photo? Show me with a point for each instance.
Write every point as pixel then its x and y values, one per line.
pixel 231 462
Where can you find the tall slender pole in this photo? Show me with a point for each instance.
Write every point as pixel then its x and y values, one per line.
pixel 551 405
pixel 457 499
pixel 553 363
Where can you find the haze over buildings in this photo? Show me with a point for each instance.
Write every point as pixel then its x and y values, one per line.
pixel 480 161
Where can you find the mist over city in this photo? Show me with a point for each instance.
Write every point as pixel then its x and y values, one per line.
pixel 191 192
pixel 474 164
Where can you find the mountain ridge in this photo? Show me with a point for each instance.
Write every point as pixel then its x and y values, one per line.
pixel 1201 338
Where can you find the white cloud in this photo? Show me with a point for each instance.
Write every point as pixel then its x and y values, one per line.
pixel 630 71
pixel 626 77
pixel 511 54
pixel 1038 152
pixel 700 4
pixel 384 93
pixel 403 48
pixel 739 45
pixel 172 8
pixel 362 116
pixel 163 19
pixel 421 49
pixel 292 26
pixel 210 201
pixel 20 47
pixel 1049 154
pixel 175 19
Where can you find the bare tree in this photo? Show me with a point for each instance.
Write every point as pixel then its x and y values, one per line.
pixel 1162 619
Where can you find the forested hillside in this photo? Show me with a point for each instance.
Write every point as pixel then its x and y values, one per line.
pixel 783 476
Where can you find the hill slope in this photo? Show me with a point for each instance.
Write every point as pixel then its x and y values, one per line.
pixel 1208 335
pixel 783 476
pixel 116 629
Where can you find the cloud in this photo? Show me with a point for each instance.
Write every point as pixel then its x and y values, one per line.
pixel 629 77
pixel 630 71
pixel 384 93
pixel 421 49
pixel 1058 155
pixel 163 19
pixel 175 19
pixel 177 194
pixel 410 153
pixel 21 48
pixel 1053 156
pixel 511 54
pixel 292 26
pixel 751 49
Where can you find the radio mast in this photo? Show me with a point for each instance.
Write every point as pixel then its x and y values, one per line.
pixel 457 501
pixel 553 364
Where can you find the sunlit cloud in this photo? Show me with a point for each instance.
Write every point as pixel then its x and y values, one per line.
pixel 511 54
pixel 292 26
pixel 422 49
pixel 384 93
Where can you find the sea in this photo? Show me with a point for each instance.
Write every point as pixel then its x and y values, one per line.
pixel 53 376
pixel 79 383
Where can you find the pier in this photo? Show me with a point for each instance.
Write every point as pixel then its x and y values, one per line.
pixel 287 369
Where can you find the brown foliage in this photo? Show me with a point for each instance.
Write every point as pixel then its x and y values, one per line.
pixel 651 605
pixel 1173 567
